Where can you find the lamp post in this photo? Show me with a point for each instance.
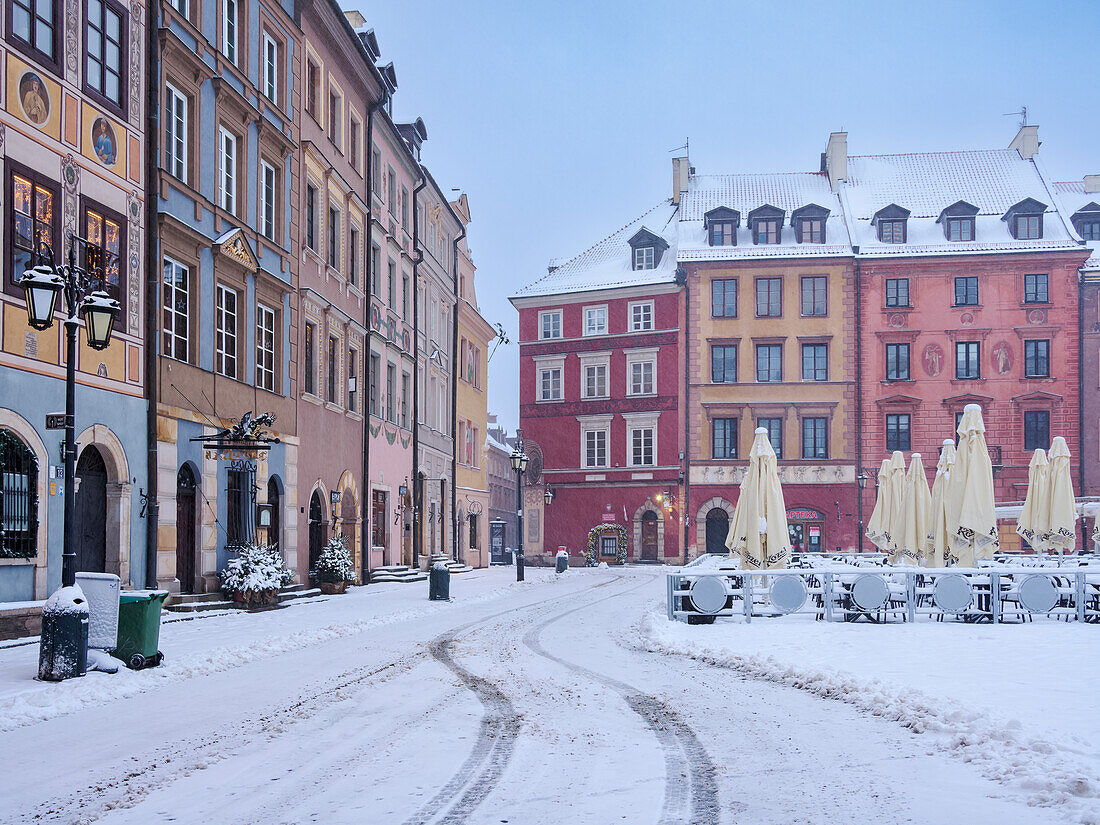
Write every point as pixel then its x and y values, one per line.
pixel 861 479
pixel 81 287
pixel 519 464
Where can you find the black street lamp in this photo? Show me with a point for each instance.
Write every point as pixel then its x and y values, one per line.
pixel 861 479
pixel 548 495
pixel 63 653
pixel 519 464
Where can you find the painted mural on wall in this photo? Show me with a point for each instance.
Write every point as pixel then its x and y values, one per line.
pixel 104 141
pixel 33 98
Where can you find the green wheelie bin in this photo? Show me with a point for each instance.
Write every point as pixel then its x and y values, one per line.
pixel 139 627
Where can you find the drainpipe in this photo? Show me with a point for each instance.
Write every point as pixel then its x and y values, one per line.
pixel 418 488
pixel 454 395
pixel 687 411
pixel 1080 402
pixel 859 401
pixel 152 290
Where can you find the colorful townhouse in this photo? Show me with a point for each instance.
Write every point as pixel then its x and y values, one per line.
pixel 74 166
pixel 600 398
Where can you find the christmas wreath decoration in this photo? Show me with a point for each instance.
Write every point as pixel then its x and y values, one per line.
pixel 592 552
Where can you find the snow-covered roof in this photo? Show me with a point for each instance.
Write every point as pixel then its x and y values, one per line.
pixel 496 445
pixel 786 191
pixel 926 183
pixel 1074 198
pixel 607 264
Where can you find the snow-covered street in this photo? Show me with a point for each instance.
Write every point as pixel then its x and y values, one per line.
pixel 564 699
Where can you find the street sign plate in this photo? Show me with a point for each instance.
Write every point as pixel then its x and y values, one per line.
pixel 55 421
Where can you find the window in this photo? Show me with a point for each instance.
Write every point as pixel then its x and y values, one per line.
pixel 1036 289
pixel 176 321
pixel 18 498
pixel 380 513
pixel 334 237
pixel 1036 359
pixel 897 432
pixel 550 384
pixel 641 447
pixel 353 141
pixel 391 272
pixel 891 231
pixel 769 297
pixel 814 295
pixel 405 295
pixel 723 438
pixel 374 369
pixel 34 220
pixel 404 208
pixel 897 362
pixel 33 25
pixel 550 324
pixel 595 320
pixel 333 369
pixel 226 350
pixel 104 49
pixel 765 231
pixel 723 233
pixel 391 190
pixel 405 379
pixel 106 230
pixel 815 438
pixel 811 230
pixel 595 448
pixel 644 258
pixel 353 255
pixel 239 485
pixel 311 216
pixel 375 271
pixel 309 358
pixel 229 30
pixel 267 200
pixel 313 88
pixel 595 381
pixel 1029 227
pixel 271 68
pixel 391 393
pixel 376 171
pixel 774 426
pixel 641 377
pixel 1036 430
pixel 815 362
pixel 1090 230
pixel 960 229
pixel 723 298
pixel 353 379
pixel 175 132
pixel 966 291
pixel 335 117
pixel 769 362
pixel 227 170
pixel 265 348
pixel 723 364
pixel 641 316
pixel 967 359
pixel 897 292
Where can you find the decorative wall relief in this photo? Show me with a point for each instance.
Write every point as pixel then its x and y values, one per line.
pixel 133 294
pixel 70 184
pixel 137 55
pixel 72 45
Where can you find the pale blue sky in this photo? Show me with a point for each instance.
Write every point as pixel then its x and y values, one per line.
pixel 557 118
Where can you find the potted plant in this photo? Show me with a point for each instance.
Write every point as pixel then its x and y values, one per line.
pixel 334 569
pixel 254 577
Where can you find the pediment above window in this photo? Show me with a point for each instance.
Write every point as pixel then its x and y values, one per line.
pixel 959 209
pixel 234 246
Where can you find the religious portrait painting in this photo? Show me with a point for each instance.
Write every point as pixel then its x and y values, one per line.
pixel 34 98
pixel 103 141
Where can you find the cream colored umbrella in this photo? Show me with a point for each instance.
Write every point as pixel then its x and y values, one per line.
pixel 1062 524
pixel 896 480
pixel 916 507
pixel 936 540
pixel 1034 521
pixel 877 529
pixel 758 532
pixel 971 520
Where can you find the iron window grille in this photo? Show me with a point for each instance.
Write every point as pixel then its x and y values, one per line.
pixel 18 498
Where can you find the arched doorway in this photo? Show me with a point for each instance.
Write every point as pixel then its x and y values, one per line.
pixel 316 528
pixel 274 533
pixel 185 529
pixel 649 536
pixel 718 528
pixel 91 512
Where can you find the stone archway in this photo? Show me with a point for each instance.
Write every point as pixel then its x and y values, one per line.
pixel 639 515
pixel 701 521
pixel 119 494
pixel 25 432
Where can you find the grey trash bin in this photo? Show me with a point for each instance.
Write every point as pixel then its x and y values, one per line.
pixel 561 562
pixel 439 582
pixel 63 649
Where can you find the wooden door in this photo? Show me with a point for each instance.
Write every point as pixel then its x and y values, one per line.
pixel 316 528
pixel 718 527
pixel 649 536
pixel 91 513
pixel 185 529
pixel 274 534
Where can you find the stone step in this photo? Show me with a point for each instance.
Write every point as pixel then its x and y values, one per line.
pixel 201 607
pixel 406 579
pixel 202 602
pixel 396 573
pixel 298 591
pixel 190 598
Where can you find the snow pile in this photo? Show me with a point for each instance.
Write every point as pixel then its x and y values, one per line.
pixel 256 568
pixel 1018 707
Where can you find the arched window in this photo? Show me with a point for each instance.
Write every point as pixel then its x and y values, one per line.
pixel 718 527
pixel 18 498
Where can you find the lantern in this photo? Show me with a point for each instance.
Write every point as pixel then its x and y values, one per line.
pixel 41 285
pixel 99 311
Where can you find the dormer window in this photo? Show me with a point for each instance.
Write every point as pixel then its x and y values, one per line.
pixel 958 221
pixel 1025 219
pixel 646 249
pixel 721 226
pixel 891 223
pixel 1087 221
pixel 766 224
pixel 809 223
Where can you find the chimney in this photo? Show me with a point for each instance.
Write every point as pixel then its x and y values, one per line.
pixel 836 158
pixel 681 171
pixel 356 19
pixel 1092 183
pixel 1026 142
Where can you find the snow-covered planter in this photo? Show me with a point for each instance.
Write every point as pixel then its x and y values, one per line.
pixel 255 575
pixel 593 552
pixel 334 569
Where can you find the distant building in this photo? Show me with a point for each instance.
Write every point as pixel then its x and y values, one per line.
pixel 502 483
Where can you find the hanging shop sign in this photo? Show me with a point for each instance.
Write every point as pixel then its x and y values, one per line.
pixel 246 440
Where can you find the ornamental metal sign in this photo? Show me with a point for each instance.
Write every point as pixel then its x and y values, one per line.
pixel 246 440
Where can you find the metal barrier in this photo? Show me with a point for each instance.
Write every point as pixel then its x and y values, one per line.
pixel 845 593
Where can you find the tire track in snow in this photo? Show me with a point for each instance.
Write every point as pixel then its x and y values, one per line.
pixel 691 790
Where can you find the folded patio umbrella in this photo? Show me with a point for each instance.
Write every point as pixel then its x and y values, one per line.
pixel 936 539
pixel 1062 526
pixel 971 520
pixel 877 530
pixel 916 507
pixel 758 531
pixel 895 479
pixel 1034 521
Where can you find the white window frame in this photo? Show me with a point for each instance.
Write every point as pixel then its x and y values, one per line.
pixel 223 337
pixel 266 333
pixel 591 316
pixel 179 5
pixel 229 46
pixel 550 316
pixel 169 306
pixel 175 104
pixel 271 68
pixel 641 316
pixel 645 258
pixel 227 170
pixel 641 357
pixel 595 425
pixel 268 187
pixel 636 422
pixel 596 362
pixel 550 364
